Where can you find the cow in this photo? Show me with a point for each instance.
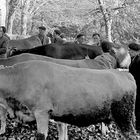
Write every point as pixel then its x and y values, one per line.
pixel 83 97
pixel 79 51
pixel 122 52
pixel 26 43
pixel 134 69
pixel 104 61
pixel 68 50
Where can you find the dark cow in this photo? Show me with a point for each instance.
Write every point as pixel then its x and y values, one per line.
pixel 83 97
pixel 134 49
pixel 80 51
pixel 64 51
pixel 135 71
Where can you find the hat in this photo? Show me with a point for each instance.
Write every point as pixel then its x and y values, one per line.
pixel 57 31
pixel 42 28
pixel 79 35
pixel 94 34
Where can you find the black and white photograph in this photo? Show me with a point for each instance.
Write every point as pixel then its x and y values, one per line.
pixel 69 69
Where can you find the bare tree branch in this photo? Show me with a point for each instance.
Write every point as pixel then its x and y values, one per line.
pixel 36 9
pixel 124 5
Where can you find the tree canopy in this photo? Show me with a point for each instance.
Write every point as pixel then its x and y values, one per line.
pixel 117 20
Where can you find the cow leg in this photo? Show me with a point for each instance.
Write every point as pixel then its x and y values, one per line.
pixel 124 116
pixel 104 128
pixel 4 109
pixel 3 116
pixel 3 113
pixel 62 131
pixel 42 119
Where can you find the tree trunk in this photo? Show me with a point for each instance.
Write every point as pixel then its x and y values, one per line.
pixel 107 20
pixel 32 26
pixel 108 30
pixel 0 17
pixel 3 12
pixel 10 21
pixel 7 12
pixel 11 8
pixel 23 23
pixel 24 16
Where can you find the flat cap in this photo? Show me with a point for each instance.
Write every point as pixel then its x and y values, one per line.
pixel 42 28
pixel 57 31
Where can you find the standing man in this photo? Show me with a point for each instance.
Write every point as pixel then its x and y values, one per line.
pixel 96 38
pixel 58 37
pixel 80 39
pixel 4 31
pixel 42 35
pixel 3 42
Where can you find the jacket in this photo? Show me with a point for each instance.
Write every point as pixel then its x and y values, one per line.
pixel 3 46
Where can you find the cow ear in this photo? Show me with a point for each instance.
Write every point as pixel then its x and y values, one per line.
pixel 113 51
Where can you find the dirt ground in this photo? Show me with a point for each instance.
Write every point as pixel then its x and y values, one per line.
pixel 16 130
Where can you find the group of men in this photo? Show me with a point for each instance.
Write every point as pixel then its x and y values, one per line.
pixel 56 37
pixel 115 95
pixel 96 39
pixel 4 38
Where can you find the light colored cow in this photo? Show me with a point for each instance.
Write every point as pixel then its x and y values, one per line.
pixel 104 61
pixel 76 96
pixel 26 43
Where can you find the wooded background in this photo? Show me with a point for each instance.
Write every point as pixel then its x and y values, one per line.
pixel 115 20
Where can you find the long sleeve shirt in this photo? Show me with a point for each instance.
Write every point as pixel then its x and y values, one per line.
pixel 44 39
pixel 3 45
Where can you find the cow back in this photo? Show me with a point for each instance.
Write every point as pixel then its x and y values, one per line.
pixel 63 51
pixel 25 43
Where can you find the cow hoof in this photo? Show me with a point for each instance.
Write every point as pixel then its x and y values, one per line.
pixel 40 136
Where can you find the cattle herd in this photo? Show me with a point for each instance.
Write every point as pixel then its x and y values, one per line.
pixel 56 82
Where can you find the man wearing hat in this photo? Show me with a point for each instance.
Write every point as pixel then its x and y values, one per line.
pixel 80 39
pixel 3 42
pixel 42 35
pixel 58 37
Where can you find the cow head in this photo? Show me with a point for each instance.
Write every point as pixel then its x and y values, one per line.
pixel 123 56
pixel 10 52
